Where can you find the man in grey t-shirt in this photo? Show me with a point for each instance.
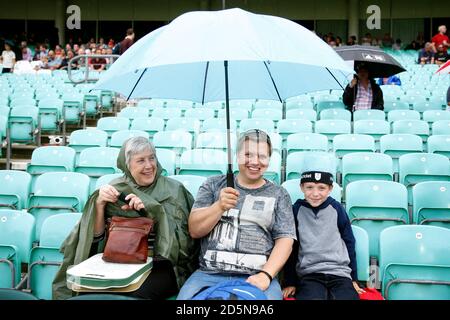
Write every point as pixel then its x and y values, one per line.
pixel 246 232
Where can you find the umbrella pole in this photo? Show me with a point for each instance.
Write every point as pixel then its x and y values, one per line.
pixel 230 176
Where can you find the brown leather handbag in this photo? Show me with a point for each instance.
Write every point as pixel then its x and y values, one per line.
pixel 127 240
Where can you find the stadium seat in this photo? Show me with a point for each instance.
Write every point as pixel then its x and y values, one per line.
pixel 396 145
pixel 417 127
pixel 307 114
pixel 366 166
pixel 167 159
pixel 299 162
pixel 370 114
pixel 415 263
pixel 203 162
pixel 58 192
pixel 119 137
pixel 46 259
pixel 199 113
pixel 96 162
pixel 150 104
pixel 439 144
pixel 272 114
pixel 395 115
pixel 235 114
pixel 331 128
pixel 50 111
pixel 191 182
pixel 266 125
pixel 87 138
pixel 362 253
pixel 441 127
pixel 323 105
pixel 23 123
pixel 178 104
pixel 431 116
pixel 297 104
pixel 167 113
pixel 133 112
pixel 374 128
pixel 15 187
pixel 375 205
pixel 215 140
pixel 335 114
pixel 395 105
pixel 16 238
pixel 350 143
pixel 177 141
pixel 13 294
pixel 268 104
pixel 306 142
pixel 218 124
pixel 113 124
pixel 290 126
pixel 150 125
pixel 191 125
pixel 51 159
pixel 106 179
pixel 293 188
pixel 431 203
pixel 420 167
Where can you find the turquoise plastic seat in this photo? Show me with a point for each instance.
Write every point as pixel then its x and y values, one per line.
pixel 420 167
pixel 203 162
pixel 349 143
pixel 58 192
pixel 50 111
pixel 15 188
pixel 191 182
pixel 106 179
pixel 299 162
pixel 307 114
pixel 113 124
pixel 218 124
pixel 439 144
pixel 199 113
pixel 366 166
pixel 424 106
pixel 191 125
pixel 370 114
pixel 374 128
pixel 431 203
pixel 215 105
pixel 87 138
pixel 331 128
pixel 293 188
pixel 215 140
pixel 362 253
pixel 150 125
pixel 395 115
pixel 268 104
pixel 396 145
pixel 417 127
pixel 415 263
pixel 167 159
pixel 335 114
pixel 91 103
pixel 106 99
pixel 22 101
pixel 323 105
pixel 273 114
pixel 133 112
pixel 177 141
pixel 375 205
pixel 293 104
pixel 440 127
pixel 431 116
pixel 287 127
pixel 96 162
pixel 150 103
pixel 72 107
pixel 13 294
pixel 22 123
pixel 46 259
pixel 166 113
pixel 178 104
pixel 16 238
pixel 266 125
pixel 395 105
pixel 119 137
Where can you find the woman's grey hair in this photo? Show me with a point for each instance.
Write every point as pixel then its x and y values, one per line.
pixel 135 146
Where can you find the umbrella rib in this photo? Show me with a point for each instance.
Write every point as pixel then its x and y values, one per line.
pixel 273 82
pixel 204 82
pixel 335 78
pixel 135 85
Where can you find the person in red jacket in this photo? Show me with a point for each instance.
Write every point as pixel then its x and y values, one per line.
pixel 441 38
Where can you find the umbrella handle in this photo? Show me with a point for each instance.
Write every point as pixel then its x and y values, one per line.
pixel 230 179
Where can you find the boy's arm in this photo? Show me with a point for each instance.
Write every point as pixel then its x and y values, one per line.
pixel 289 270
pixel 345 228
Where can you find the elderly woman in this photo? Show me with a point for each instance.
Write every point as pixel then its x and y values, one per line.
pixel 166 201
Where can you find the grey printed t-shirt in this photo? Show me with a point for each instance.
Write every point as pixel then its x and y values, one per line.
pixel 244 237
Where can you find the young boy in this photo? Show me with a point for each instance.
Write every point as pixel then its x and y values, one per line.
pixel 322 264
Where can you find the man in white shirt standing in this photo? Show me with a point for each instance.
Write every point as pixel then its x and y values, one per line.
pixel 8 58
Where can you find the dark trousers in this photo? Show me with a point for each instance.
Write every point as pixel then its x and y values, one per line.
pixel 319 286
pixel 6 70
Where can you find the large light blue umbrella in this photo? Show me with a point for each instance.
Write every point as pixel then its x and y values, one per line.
pixel 231 54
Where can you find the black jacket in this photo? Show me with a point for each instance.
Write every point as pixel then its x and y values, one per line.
pixel 350 94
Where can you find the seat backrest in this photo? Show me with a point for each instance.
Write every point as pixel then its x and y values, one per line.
pixel 173 139
pixel 345 143
pixel 370 114
pixel 431 203
pixel 336 104
pixel 306 142
pixel 418 127
pixel 150 103
pixel 166 113
pixel 191 182
pixel 332 127
pixel 133 112
pixel 266 125
pixel 167 159
pixel 395 115
pixel 199 113
pixel 305 103
pixel 439 144
pixel 335 114
pixel 307 114
pixel 299 162
pixel 218 124
pixel 119 137
pixel 215 140
pixel 273 114
pixel 54 156
pixel 435 115
pixel 395 144
pixel 362 252
pixel 99 157
pixel 106 179
pixel 415 167
pixel 17 229
pixel 150 125
pixel 182 123
pixel 268 104
pixel 208 161
pixel 112 124
pixel 88 137
pixel 15 188
pixel 395 105
pixel 440 127
pixel 287 126
pixel 56 228
pixel 366 165
pixel 372 127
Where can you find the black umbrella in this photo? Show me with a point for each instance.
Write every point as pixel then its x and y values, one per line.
pixel 379 63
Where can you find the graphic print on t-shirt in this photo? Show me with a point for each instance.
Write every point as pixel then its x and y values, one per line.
pixel 239 234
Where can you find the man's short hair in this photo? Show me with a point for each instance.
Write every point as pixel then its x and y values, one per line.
pixel 255 135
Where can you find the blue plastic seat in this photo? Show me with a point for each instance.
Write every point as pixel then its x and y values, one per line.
pixel 199 113
pixel 191 125
pixel 295 104
pixel 323 105
pixel 203 162
pixel 431 116
pixel 150 103
pixel 307 114
pixel 362 253
pixel 166 113
pixel 293 188
pixel 50 111
pixel 331 128
pixel 273 114
pixel 396 145
pixel 431 203
pixel 133 112
pixel 415 263
pixel 349 143
pixel 177 141
pixel 287 127
pixel 16 238
pixel 15 188
pixel 215 140
pixel 87 138
pixel 299 162
pixel 106 179
pixel 167 159
pixel 51 159
pixel 23 123
pixel 440 127
pixel 370 114
pixel 335 114
pixel 119 137
pixel 191 182
pixel 113 124
pixel 374 128
pixel 268 104
pixel 266 125
pixel 218 124
pixel 150 125
pixel 395 105
pixel 417 127
pixel 439 144
pixel 395 115
pixel 375 205
pixel 58 192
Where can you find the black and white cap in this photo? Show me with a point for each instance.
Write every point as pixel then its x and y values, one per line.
pixel 317 177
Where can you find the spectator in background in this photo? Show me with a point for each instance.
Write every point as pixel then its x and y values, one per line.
pixel 397 45
pixel 127 42
pixel 338 41
pixel 441 38
pixel 26 52
pixel 426 55
pixel 413 46
pixel 351 41
pixel 441 55
pixel 420 39
pixel 366 40
pixel 387 41
pixel 8 58
pixel 393 80
pixel 41 53
pixel 98 64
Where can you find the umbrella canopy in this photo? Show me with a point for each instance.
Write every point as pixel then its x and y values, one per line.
pixel 379 63
pixel 231 54
pixel 444 68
